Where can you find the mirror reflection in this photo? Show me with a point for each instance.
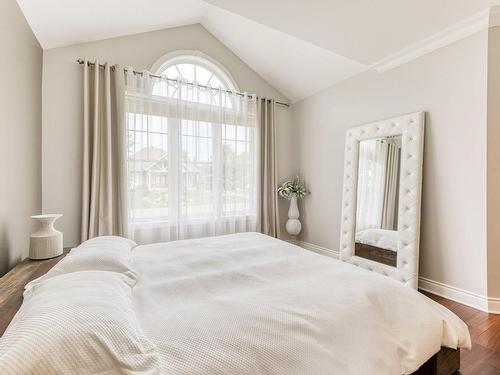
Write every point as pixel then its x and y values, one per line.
pixel 377 199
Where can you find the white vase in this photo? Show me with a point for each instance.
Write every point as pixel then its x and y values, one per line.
pixel 293 225
pixel 46 242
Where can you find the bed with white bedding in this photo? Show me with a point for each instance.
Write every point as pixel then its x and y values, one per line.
pixel 236 304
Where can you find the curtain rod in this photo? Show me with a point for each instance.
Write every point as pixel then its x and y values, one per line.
pixel 81 62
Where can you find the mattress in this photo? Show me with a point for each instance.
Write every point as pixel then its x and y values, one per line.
pixel 251 304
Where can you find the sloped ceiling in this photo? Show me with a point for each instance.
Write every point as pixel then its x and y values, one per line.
pixel 58 23
pixel 295 67
pixel 300 47
pixel 362 30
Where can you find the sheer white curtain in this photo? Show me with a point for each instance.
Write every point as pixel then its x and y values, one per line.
pixel 371 182
pixel 192 160
pixel 378 182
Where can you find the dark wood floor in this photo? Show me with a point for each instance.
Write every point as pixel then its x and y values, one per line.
pixel 484 358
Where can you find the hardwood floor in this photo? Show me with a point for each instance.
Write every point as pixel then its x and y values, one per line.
pixel 484 358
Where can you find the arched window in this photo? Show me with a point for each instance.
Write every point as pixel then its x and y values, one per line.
pixel 195 67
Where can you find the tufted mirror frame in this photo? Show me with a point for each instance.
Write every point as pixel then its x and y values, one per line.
pixel 411 127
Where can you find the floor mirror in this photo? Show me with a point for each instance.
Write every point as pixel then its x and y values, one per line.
pixel 380 227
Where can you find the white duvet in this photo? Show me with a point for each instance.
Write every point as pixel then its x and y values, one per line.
pixel 250 304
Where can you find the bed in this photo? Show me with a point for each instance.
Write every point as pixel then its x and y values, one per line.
pixel 235 304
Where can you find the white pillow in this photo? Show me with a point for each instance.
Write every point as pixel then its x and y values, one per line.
pixel 108 243
pixel 107 253
pixel 89 260
pixel 78 323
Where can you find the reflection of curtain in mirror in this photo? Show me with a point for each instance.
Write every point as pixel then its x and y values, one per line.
pixel 378 183
pixel 371 181
pixel 390 206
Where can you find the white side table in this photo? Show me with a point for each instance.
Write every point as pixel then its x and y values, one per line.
pixel 46 242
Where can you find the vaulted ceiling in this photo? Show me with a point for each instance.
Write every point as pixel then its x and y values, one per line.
pixel 298 46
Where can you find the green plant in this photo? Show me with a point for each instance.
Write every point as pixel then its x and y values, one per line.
pixel 289 189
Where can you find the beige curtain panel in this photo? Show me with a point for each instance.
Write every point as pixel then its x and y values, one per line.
pixel 104 210
pixel 268 212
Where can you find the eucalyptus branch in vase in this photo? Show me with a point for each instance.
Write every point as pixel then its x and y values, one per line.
pixel 293 190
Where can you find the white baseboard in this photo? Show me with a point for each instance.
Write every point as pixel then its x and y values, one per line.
pixel 462 296
pixel 477 301
pixel 316 248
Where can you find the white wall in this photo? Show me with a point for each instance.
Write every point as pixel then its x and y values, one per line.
pixel 288 158
pixel 20 131
pixel 62 107
pixel 450 85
